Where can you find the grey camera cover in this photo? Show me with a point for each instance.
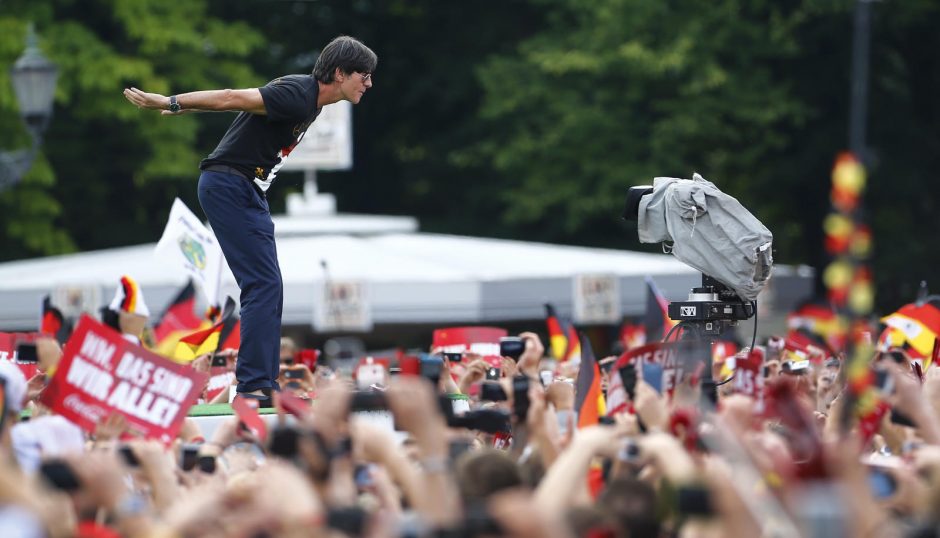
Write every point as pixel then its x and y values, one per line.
pixel 709 231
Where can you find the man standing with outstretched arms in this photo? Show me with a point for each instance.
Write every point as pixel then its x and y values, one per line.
pixel 236 176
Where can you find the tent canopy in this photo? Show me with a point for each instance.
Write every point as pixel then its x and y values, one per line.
pixel 412 277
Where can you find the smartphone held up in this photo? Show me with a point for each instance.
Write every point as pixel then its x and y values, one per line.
pixel 512 347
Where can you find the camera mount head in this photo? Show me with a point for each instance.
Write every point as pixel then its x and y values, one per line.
pixel 712 308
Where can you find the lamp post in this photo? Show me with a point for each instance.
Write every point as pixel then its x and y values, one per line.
pixel 34 79
pixel 858 103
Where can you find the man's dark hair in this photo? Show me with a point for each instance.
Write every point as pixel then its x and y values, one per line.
pixel 632 504
pixel 482 473
pixel 532 470
pixel 348 54
pixel 587 520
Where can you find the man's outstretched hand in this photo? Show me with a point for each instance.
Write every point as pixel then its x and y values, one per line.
pixel 153 101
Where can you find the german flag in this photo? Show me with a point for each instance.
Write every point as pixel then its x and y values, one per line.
pixel 211 339
pixel 914 327
pixel 212 313
pixel 52 323
pixel 632 335
pixel 573 351
pixel 589 403
pixel 818 325
pixel 230 335
pixel 179 315
pixel 656 320
pixel 589 399
pixel 723 353
pixel 557 334
pixel 128 298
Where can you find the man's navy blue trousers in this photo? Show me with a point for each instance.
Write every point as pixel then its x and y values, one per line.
pixel 240 217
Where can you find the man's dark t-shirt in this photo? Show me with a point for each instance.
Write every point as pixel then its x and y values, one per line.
pixel 255 144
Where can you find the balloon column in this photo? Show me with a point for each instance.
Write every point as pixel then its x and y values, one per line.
pixel 848 240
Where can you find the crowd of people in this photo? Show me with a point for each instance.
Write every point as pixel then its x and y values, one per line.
pixel 472 450
pixel 455 444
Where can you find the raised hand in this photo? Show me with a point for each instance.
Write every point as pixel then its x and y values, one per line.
pixel 474 373
pixel 650 406
pixel 508 367
pixel 413 402
pixel 48 353
pixel 561 395
pixel 111 428
pixel 142 99
pixel 202 363
pixel 532 355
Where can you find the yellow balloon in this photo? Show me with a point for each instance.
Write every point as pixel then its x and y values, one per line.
pixel 837 275
pixel 861 298
pixel 837 225
pixel 849 175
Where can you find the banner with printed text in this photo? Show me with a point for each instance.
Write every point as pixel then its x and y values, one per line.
pixel 102 373
pixel 480 340
pixel 483 341
pixel 749 375
pixel 220 378
pixel 677 359
pixel 187 243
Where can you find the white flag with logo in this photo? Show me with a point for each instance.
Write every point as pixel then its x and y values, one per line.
pixel 186 242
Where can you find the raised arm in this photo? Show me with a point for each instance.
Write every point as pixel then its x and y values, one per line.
pixel 248 100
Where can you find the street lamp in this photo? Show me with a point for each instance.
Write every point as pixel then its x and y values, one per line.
pixel 34 78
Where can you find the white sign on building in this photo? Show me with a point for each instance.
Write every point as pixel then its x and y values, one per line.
pixel 75 300
pixel 342 306
pixel 327 145
pixel 596 299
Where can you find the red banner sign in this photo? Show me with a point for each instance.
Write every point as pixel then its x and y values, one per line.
pixel 663 353
pixel 483 341
pixel 102 373
pixel 749 375
pixel 8 343
pixel 247 411
pixel 220 378
pixel 660 353
pixel 480 340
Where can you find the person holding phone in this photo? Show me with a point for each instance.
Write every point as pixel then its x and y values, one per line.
pixel 298 378
pixel 477 370
pixel 288 350
pixel 236 176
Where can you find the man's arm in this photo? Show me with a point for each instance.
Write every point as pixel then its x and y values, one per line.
pixel 248 100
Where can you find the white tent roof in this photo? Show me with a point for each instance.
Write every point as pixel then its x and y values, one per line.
pixel 413 277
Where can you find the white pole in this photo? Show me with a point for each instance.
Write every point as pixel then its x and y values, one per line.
pixel 310 184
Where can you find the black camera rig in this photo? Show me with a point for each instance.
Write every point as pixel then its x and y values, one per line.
pixel 713 307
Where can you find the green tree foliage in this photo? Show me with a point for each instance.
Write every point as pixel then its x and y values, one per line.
pixel 410 127
pixel 752 94
pixel 512 118
pixel 116 168
pixel 903 196
pixel 627 90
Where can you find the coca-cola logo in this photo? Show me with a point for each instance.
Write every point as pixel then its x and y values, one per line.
pixel 89 411
pixel 220 381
